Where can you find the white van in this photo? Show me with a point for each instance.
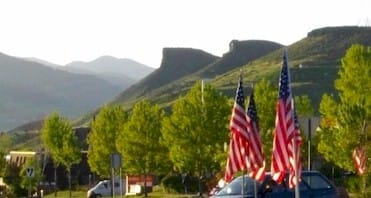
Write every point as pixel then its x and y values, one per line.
pixel 104 188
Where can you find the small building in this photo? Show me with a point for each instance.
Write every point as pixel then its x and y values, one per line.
pixel 19 158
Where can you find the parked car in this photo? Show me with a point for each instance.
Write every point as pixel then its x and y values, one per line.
pixel 104 188
pixel 313 185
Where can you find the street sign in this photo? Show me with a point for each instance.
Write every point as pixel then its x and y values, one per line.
pixel 30 172
pixel 309 123
pixel 115 160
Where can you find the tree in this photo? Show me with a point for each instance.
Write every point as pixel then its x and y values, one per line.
pixel 344 117
pixel 303 106
pixel 60 141
pixel 5 145
pixel 30 180
pixel 197 129
pixel 266 98
pixel 105 129
pixel 139 142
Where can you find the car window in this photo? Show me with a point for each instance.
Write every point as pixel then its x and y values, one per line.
pixel 302 186
pixel 316 182
pixel 235 187
pixel 277 187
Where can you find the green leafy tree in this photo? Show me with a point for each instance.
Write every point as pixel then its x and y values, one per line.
pixel 5 144
pixel 139 143
pixel 105 129
pixel 344 118
pixel 266 96
pixel 266 99
pixel 303 106
pixel 2 163
pixel 197 129
pixel 30 180
pixel 60 141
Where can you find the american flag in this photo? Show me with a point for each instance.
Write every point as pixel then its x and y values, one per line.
pixel 238 146
pixel 286 134
pixel 359 158
pixel 256 161
pixel 295 165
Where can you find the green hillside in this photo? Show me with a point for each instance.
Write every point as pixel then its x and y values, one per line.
pixel 314 60
pixel 180 68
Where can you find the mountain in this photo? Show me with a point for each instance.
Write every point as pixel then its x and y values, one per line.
pixel 30 91
pixel 176 63
pixel 119 72
pixel 43 62
pixel 239 54
pixel 180 63
pixel 110 65
pixel 315 62
pixel 314 65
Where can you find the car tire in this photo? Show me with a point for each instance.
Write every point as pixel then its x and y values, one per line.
pixel 95 195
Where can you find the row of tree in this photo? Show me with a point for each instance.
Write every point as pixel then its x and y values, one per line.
pixel 192 137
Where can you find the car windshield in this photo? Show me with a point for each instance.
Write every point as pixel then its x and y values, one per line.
pixel 316 182
pixel 235 187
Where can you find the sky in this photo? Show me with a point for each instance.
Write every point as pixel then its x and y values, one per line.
pixel 62 31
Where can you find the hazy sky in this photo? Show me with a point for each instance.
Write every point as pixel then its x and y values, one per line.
pixel 61 31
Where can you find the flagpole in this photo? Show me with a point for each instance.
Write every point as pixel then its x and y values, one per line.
pixel 296 178
pixel 243 173
pixel 255 184
pixel 243 184
pixel 255 189
pixel 365 138
pixel 297 190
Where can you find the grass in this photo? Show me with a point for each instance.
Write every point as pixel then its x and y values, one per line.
pixel 82 194
pixel 157 192
pixel 75 194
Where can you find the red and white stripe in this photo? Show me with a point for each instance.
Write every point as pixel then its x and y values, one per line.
pixel 238 147
pixel 256 158
pixel 287 140
pixel 280 157
pixel 256 162
pixel 295 163
pixel 360 158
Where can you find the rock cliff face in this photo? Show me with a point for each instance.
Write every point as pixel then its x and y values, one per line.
pixel 179 62
pixel 240 53
pixel 176 63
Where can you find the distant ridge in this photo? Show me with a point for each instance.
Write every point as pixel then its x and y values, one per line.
pixel 320 53
pixel 110 64
pixel 30 91
pixel 43 62
pixel 315 61
pixel 180 63
pixel 323 46
pixel 239 54
pixel 176 63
